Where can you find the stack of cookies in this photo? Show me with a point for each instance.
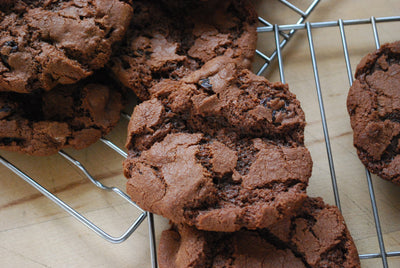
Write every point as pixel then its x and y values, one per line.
pixel 213 147
pixel 217 149
pixel 53 91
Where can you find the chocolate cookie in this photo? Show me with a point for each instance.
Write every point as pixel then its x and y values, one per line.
pixel 223 94
pixel 315 237
pixel 74 116
pixel 45 43
pixel 165 42
pixel 220 149
pixel 374 107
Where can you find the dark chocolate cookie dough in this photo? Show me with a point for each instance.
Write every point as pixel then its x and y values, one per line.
pixel 374 107
pixel 166 42
pixel 45 43
pixel 44 122
pixel 220 149
pixel 315 237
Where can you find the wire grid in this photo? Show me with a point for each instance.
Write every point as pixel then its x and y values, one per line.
pixel 286 32
pixel 277 29
pixel 286 36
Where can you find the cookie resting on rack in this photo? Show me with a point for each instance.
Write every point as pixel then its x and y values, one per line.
pixel 314 237
pixel 74 116
pixel 46 43
pixel 373 104
pixel 165 42
pixel 220 149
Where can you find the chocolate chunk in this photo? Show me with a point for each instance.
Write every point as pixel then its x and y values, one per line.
pixel 12 44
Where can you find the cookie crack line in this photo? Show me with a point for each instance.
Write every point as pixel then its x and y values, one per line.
pixel 279 244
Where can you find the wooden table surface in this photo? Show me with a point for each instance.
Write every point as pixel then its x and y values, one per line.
pixel 36 233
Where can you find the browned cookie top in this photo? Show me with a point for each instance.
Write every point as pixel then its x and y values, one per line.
pixel 221 150
pixel 165 42
pixel 315 237
pixel 374 107
pixel 68 116
pixel 45 43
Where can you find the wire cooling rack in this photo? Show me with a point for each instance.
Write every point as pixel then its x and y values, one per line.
pixel 308 27
pixel 282 35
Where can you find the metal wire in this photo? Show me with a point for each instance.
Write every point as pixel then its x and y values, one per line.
pixel 152 237
pixel 150 218
pixel 340 23
pixel 323 24
pixel 368 175
pixel 323 117
pixel 278 52
pixel 114 147
pixel 295 8
pixel 73 212
pixel 97 183
pixel 286 36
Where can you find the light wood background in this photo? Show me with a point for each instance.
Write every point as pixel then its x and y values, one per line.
pixel 36 233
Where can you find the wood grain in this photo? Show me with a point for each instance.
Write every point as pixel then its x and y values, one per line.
pixel 36 233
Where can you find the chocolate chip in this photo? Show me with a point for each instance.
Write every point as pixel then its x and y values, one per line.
pixel 205 83
pixel 12 44
pixel 5 109
pixel 263 102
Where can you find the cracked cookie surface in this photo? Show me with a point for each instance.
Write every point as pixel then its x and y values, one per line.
pixel 44 122
pixel 220 149
pixel 168 42
pixel 373 104
pixel 316 236
pixel 45 43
